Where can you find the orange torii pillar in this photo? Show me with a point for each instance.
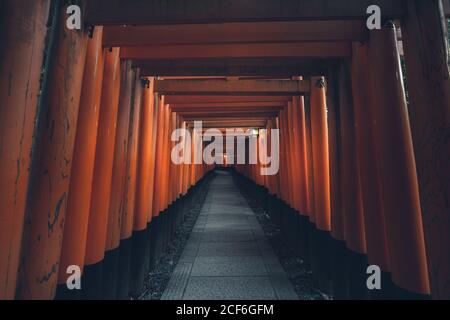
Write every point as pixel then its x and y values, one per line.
pixel 339 281
pixel 155 247
pixel 79 197
pixel 129 195
pixel 165 196
pixel 319 129
pixel 52 165
pixel 311 261
pixel 139 258
pixel 399 184
pixel 151 193
pixel 425 43
pixel 375 230
pixel 298 119
pixel 111 261
pixel 356 261
pixel 20 72
pixel 101 184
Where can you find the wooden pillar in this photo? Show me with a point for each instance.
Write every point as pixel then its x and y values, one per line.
pixel 351 197
pixel 335 152
pixel 104 157
pixel 79 197
pixel 21 54
pixel 425 42
pixel 298 118
pixel 375 231
pixel 397 165
pixel 47 198
pixel 311 164
pixel 120 158
pixel 354 229
pixel 130 189
pixel 111 263
pixel 153 173
pixel 142 197
pixel 132 166
pixel 319 130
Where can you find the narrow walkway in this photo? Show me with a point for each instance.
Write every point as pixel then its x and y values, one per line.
pixel 227 255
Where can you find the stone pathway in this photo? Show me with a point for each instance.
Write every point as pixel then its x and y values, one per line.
pixel 227 255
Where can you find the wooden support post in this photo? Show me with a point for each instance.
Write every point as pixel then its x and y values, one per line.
pixel 351 197
pixel 111 261
pixel 352 208
pixel 103 168
pixel 130 189
pixel 79 197
pixel 319 130
pixel 375 231
pixel 47 198
pixel 310 163
pixel 133 155
pixel 20 72
pixel 425 42
pixel 144 171
pixel 335 152
pixel 399 184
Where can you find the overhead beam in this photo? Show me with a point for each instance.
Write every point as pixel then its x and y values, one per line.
pixel 239 32
pixel 247 50
pixel 135 12
pixel 205 99
pixel 224 87
pixel 230 116
pixel 276 67
pixel 232 123
pixel 211 106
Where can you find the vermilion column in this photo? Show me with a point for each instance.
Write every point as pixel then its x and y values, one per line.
pixel 20 72
pixel 52 167
pixel 153 173
pixel 133 154
pixel 337 214
pixel 159 159
pixel 116 204
pixel 79 198
pixel 310 163
pixel 104 156
pixel 299 146
pixel 165 160
pixel 144 163
pixel 375 231
pixel 319 130
pixel 425 42
pixel 400 190
pixel 351 193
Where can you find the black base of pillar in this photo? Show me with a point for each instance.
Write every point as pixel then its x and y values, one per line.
pixel 91 282
pixel 357 275
pixel 110 274
pixel 338 270
pixel 137 274
pixel 123 280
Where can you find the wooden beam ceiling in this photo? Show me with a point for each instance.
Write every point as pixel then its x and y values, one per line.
pixel 276 67
pixel 232 123
pixel 205 99
pixel 229 106
pixel 248 50
pixel 136 12
pixel 240 32
pixel 224 87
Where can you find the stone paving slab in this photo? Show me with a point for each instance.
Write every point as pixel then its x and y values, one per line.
pixel 227 255
pixel 229 288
